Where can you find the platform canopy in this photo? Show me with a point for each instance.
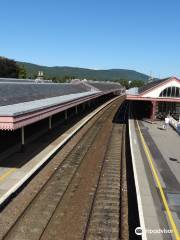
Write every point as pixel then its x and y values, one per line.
pixel 23 102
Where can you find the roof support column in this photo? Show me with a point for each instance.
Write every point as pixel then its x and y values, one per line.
pixel 84 104
pixel 76 109
pixel 50 122
pixel 66 114
pixel 153 111
pixel 22 139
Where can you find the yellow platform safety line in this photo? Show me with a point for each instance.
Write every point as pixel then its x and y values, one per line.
pixel 7 173
pixel 151 162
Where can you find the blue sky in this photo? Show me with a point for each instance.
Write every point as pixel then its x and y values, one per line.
pixel 132 34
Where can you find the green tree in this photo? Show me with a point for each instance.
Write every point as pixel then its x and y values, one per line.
pixel 123 82
pixel 8 68
pixel 137 83
pixel 22 72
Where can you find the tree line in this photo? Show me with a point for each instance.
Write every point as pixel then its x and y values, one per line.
pixel 10 69
pixel 130 84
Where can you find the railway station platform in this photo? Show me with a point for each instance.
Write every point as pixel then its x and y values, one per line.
pixel 156 164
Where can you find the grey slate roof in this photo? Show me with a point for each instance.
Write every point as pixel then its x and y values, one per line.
pixel 12 93
pixel 105 86
pixel 26 107
pixel 18 97
pixel 151 85
pixel 16 80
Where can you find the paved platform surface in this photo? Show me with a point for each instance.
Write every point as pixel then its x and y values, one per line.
pixel 168 143
pixel 146 205
pixel 165 149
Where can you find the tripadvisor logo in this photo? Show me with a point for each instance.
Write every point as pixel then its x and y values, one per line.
pixel 138 231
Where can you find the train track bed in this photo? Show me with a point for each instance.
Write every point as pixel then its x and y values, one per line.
pixel 104 220
pixel 81 197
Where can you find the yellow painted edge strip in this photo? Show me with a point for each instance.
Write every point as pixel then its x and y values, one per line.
pixel 151 162
pixel 6 174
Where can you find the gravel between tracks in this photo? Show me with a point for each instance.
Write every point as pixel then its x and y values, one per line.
pixel 104 220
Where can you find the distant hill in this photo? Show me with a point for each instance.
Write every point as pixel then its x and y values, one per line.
pixel 60 72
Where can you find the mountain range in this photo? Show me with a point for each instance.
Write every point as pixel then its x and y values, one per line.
pixel 82 73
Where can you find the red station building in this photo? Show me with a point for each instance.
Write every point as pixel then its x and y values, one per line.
pixel 157 99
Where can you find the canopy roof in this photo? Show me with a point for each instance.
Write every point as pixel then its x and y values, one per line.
pixel 23 102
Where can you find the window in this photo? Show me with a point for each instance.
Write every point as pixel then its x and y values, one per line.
pixel 170 92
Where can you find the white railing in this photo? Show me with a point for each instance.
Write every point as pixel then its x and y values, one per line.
pixel 175 124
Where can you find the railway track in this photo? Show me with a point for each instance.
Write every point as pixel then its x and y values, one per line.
pixel 85 197
pixel 104 218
